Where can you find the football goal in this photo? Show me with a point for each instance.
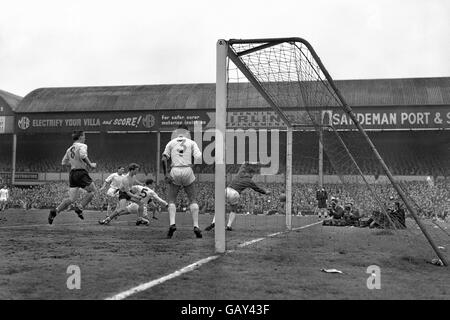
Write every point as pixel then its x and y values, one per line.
pixel 285 78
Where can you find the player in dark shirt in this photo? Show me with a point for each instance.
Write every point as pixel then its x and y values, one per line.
pixel 242 181
pixel 240 184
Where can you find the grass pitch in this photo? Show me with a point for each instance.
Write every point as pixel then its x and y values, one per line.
pixel 34 258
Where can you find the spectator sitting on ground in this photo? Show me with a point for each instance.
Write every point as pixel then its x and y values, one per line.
pixel 336 210
pixel 351 214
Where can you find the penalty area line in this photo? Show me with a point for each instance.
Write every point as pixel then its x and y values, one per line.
pixel 191 267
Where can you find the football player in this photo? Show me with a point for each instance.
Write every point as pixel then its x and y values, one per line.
pixel 77 157
pixel 150 203
pixel 180 151
pixel 242 181
pixel 4 196
pixel 114 182
pixel 126 182
pixel 139 196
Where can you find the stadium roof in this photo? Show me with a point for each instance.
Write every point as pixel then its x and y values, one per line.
pixel 8 102
pixel 360 93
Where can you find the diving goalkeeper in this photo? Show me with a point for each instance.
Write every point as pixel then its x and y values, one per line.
pixel 242 181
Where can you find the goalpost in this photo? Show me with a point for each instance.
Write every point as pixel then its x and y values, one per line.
pixel 220 140
pixel 292 82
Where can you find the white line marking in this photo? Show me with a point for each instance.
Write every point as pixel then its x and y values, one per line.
pixel 275 234
pixel 193 266
pixel 308 225
pixel 153 283
pixel 250 242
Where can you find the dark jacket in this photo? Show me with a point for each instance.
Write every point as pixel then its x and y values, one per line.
pixel 321 197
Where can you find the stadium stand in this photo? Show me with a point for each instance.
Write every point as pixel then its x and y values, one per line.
pixel 5 154
pixel 406 152
pixel 43 152
pixel 409 153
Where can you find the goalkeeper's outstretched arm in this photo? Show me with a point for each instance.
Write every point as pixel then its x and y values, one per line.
pixel 258 189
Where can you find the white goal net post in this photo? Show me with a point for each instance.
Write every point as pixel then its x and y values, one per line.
pixel 286 76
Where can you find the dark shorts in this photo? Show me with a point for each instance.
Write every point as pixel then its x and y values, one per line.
pixel 124 195
pixel 79 178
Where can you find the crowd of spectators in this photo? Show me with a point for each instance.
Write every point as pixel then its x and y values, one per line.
pixel 405 153
pixel 434 199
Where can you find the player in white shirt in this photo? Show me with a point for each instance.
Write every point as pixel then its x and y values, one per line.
pixel 114 181
pixel 151 205
pixel 154 206
pixel 77 157
pixel 140 195
pixel 180 151
pixel 4 197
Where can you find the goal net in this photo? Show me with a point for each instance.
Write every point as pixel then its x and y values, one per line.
pixel 281 86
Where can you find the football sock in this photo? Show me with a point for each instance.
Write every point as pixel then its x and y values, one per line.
pixel 194 210
pixel 231 219
pixel 172 211
pixel 145 211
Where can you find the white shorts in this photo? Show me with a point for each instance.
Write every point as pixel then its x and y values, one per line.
pixel 133 208
pixel 112 192
pixel 182 176
pixel 232 196
pixel 3 200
